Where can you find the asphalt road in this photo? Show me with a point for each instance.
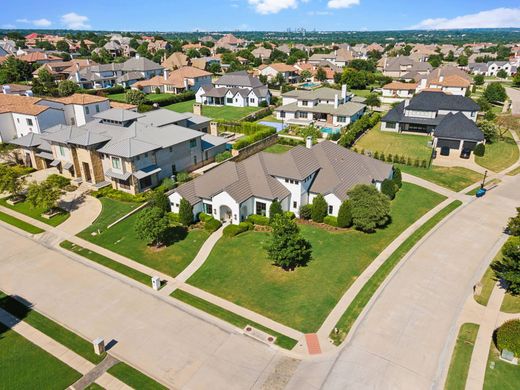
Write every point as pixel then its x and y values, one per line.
pixel 514 95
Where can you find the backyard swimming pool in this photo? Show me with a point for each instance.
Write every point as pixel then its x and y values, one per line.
pixel 310 85
pixel 330 130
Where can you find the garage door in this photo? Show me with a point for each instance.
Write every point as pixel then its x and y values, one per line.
pixel 450 143
pixel 469 145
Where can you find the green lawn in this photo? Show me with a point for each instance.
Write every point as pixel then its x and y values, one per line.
pixel 109 263
pixel 238 269
pixel 499 155
pixel 502 376
pixel 488 284
pixel 223 112
pixel 133 377
pixel 122 239
pixel 408 145
pixel 36 212
pixel 232 318
pixel 269 118
pixel 363 297
pixel 118 97
pixel 461 358
pixel 511 304
pixel 20 224
pixel 50 328
pixel 121 97
pixel 514 172
pixel 111 211
pixel 24 365
pixel 94 386
pixel 453 178
pixel 278 148
pixel 361 92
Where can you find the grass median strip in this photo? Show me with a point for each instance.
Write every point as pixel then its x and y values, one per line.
pixel 232 318
pixel 358 304
pixel 461 358
pixel 20 224
pixel 134 378
pixel 55 331
pixel 107 262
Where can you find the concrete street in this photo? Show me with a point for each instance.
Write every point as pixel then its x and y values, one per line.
pixel 514 95
pixel 405 337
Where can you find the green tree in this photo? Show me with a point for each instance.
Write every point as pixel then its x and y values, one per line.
pixel 372 100
pixel 321 75
pixel 398 178
pixel 508 269
pixel 10 180
pixel 370 208
pixel 495 92
pixel 274 210
pixel 516 79
pixel 185 212
pixel 152 226
pixel 462 61
pixel 388 187
pixel 478 79
pixel 305 75
pixel 67 88
pixel 319 209
pixel 214 68
pixel 484 104
pixel 502 74
pixel 62 46
pixel 279 79
pixel 135 97
pixel 345 215
pixel 13 70
pixel 287 248
pixel 44 195
pixel 193 53
pixel 435 60
pixel 490 131
pixel 513 225
pixel 161 201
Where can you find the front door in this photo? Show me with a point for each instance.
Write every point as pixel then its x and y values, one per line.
pixel 86 172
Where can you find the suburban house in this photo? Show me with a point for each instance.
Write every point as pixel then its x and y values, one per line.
pixel 262 53
pixel 79 108
pixel 454 84
pixel 131 152
pixel 238 89
pixel 38 57
pixel 176 60
pixel 492 68
pixel 449 118
pixel 16 89
pixel 340 57
pixel 230 42
pixel 176 81
pixel 234 190
pixel 397 91
pixel 398 67
pixel 329 68
pixel 61 70
pixel 271 71
pixel 205 62
pixel 323 107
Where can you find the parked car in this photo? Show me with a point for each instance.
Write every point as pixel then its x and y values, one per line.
pixel 445 151
pixel 465 153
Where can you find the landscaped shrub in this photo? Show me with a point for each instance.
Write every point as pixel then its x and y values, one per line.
pixel 424 164
pixel 111 193
pixel 306 211
pixel 370 208
pixel 172 99
pixel 58 181
pixel 251 139
pixel 319 208
pixel 223 156
pixel 212 225
pixel 182 177
pixel 174 218
pixel 203 217
pixel 356 129
pixel 246 128
pixel 258 220
pixel 185 212
pixel 330 220
pixel 275 209
pixel 166 185
pixel 290 141
pixel 480 150
pixel 398 179
pixel 233 230
pixel 290 214
pixel 388 187
pixel 345 215
pixel 508 337
pixel 161 201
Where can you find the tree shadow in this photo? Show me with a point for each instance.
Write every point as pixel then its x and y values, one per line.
pixel 17 307
pixel 175 234
pixel 73 204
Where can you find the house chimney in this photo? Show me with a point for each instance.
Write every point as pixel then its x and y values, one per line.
pixel 165 73
pixel 308 142
pixel 336 101
pixel 441 79
pixel 77 76
pixel 137 56
pixel 344 93
pixel 406 103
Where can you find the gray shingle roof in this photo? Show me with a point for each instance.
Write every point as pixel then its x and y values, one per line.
pixel 458 126
pixel 435 101
pixel 140 64
pixel 239 79
pixel 345 109
pixel 118 115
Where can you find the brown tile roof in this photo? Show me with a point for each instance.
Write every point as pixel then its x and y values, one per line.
pixel 79 98
pixel 38 56
pixel 20 105
pixel 397 85
pixel 176 60
pixel 451 81
pixel 176 77
pixel 279 67
pixel 123 106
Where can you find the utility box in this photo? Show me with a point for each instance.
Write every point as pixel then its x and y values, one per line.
pixel 99 346
pixel 156 283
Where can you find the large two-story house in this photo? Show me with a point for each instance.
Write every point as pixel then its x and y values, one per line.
pixel 131 152
pixel 234 190
pixel 238 89
pixel 187 78
pixel 450 119
pixel 322 106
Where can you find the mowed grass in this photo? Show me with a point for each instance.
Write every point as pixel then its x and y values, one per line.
pixel 408 145
pixel 36 212
pixel 109 263
pixel 111 211
pixel 278 148
pixel 488 284
pixel 45 325
pixel 215 112
pixel 134 378
pixel 511 304
pixel 232 318
pixel 121 97
pixel 20 224
pixel 502 376
pixel 499 155
pixel 122 238
pixel 357 305
pixel 461 358
pixel 453 178
pixel 238 268
pixel 24 365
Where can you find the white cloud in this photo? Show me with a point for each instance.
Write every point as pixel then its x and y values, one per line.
pixel 74 21
pixel 336 4
pixel 36 22
pixel 265 7
pixel 8 26
pixel 498 17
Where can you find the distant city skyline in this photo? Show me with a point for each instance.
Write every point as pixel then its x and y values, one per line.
pixel 264 15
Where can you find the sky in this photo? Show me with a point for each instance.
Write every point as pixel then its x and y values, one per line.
pixel 265 15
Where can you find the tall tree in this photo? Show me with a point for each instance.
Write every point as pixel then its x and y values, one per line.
pixel 274 210
pixel 185 212
pixel 508 269
pixel 370 208
pixel 152 226
pixel 319 208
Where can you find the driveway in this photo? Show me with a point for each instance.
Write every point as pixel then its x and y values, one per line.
pixel 405 336
pixel 514 95
pixel 172 343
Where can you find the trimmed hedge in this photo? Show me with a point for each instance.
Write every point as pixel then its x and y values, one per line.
pixel 258 220
pixel 480 150
pixel 354 130
pixel 212 225
pixel 251 139
pixel 203 217
pixel 167 100
pixel 245 128
pixel 508 337
pixel 111 193
pixel 58 181
pixel 234 230
pixel 306 211
pixel 330 220
pixel 103 91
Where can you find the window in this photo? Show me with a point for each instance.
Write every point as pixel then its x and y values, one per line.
pixel 282 114
pixel 62 150
pixel 72 121
pixel 146 182
pixel 174 169
pixel 18 120
pixel 97 107
pixel 208 209
pixel 229 100
pixel 287 180
pixel 194 159
pixel 146 155
pixel 87 110
pixel 390 125
pixel 261 208
pixel 29 122
pixel 193 143
pixel 331 209
pixel 305 103
pixel 170 149
pixel 342 119
pixel 295 205
pixel 116 163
